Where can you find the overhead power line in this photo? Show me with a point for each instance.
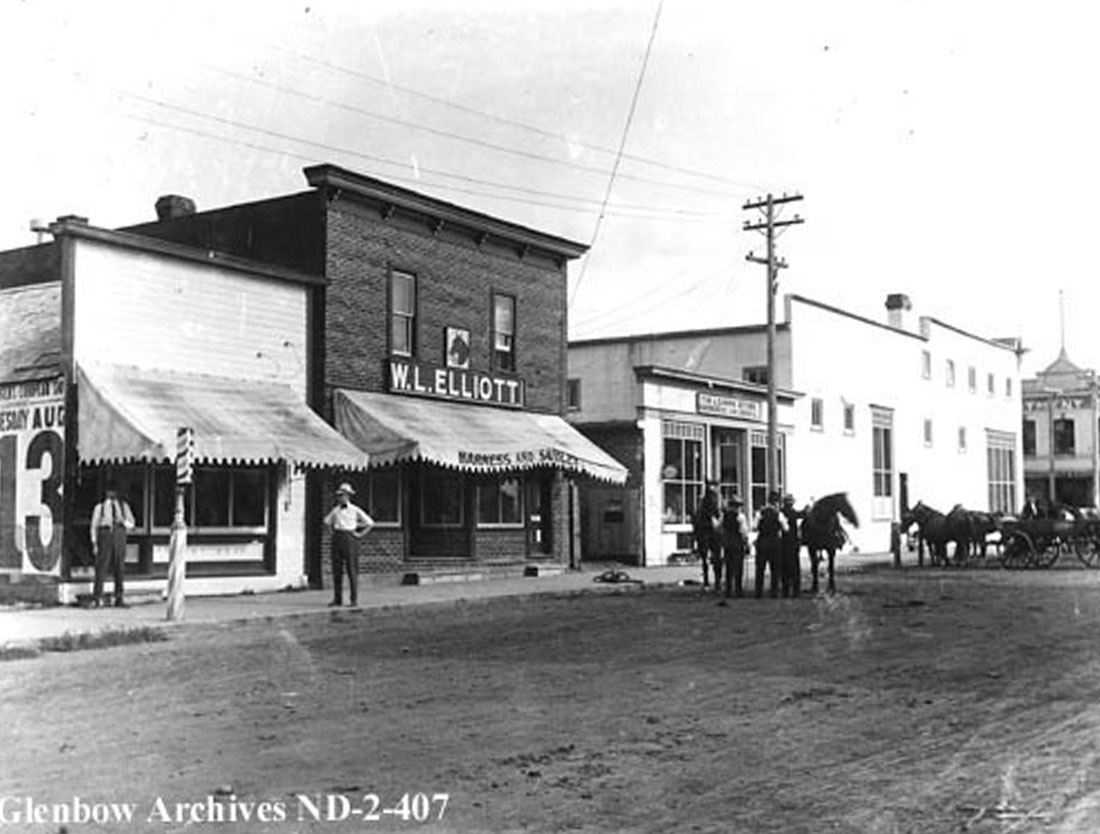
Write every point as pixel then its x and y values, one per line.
pixel 493 117
pixel 587 205
pixel 591 207
pixel 458 137
pixel 622 144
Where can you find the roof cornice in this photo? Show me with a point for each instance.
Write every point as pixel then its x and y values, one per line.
pixel 388 197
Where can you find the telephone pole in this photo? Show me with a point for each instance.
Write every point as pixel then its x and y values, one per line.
pixel 768 225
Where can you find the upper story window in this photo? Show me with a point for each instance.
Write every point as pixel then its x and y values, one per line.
pixel 402 313
pixel 926 364
pixel 949 373
pixel 971 379
pixel 1029 438
pixel 962 438
pixel 573 394
pixel 1008 386
pixel 990 385
pixel 1064 441
pixel 757 374
pixel 849 418
pixel 817 414
pixel 504 332
pixel 927 431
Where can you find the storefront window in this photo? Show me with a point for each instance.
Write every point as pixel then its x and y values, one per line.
pixel 759 467
pixel 441 497
pixel 218 498
pixel 384 505
pixel 682 470
pixel 499 501
pixel 211 498
pixel 164 497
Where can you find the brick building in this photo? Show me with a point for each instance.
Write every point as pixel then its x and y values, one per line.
pixel 437 344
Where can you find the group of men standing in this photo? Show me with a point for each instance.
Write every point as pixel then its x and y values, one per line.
pixel 723 540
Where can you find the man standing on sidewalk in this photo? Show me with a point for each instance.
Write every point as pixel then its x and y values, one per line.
pixel 111 519
pixel 348 523
pixel 770 527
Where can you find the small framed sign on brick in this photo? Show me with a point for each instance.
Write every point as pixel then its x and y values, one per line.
pixel 457 347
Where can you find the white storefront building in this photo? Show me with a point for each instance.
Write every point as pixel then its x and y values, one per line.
pixel 890 412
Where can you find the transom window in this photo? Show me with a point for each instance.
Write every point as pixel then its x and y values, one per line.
pixel 403 313
pixel 504 332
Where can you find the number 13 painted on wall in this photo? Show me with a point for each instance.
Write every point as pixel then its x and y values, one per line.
pixel 43 555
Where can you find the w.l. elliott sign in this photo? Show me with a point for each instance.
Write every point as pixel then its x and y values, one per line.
pixel 427 380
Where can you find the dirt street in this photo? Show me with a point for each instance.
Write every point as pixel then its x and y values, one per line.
pixel 916 701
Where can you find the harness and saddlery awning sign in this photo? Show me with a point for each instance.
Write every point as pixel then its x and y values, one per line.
pixel 427 380
pixel 392 429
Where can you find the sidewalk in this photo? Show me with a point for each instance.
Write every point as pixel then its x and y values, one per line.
pixel 28 625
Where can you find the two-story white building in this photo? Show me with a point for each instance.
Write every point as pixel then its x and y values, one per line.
pixel 890 412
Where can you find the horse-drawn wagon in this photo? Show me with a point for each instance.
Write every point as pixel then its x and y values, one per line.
pixel 1039 542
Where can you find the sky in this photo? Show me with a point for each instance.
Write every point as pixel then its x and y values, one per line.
pixel 945 150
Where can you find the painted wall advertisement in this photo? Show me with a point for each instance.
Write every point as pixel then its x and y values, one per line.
pixel 32 429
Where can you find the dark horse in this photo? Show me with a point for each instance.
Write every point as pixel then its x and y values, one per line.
pixel 823 533
pixel 938 529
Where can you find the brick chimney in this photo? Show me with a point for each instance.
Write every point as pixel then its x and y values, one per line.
pixel 897 304
pixel 171 206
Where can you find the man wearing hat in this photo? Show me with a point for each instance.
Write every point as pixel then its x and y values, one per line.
pixel 347 522
pixel 790 572
pixel 770 526
pixel 735 544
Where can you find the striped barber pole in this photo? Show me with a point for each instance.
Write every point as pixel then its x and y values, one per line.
pixel 185 455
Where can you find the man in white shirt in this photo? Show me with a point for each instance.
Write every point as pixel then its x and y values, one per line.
pixel 111 519
pixel 347 522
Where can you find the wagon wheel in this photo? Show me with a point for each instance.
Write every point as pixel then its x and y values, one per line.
pixel 1088 550
pixel 1046 557
pixel 1018 551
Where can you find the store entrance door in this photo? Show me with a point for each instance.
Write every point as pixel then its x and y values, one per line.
pixel 538 506
pixel 728 464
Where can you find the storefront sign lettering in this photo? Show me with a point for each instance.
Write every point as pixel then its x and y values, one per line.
pixel 522 458
pixel 32 424
pixel 427 380
pixel 720 406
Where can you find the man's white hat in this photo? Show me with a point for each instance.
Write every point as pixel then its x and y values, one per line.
pixel 345 487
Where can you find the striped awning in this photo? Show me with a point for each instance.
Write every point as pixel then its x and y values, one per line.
pixel 130 415
pixel 474 438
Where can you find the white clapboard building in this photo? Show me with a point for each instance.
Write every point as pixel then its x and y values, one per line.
pixel 890 411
